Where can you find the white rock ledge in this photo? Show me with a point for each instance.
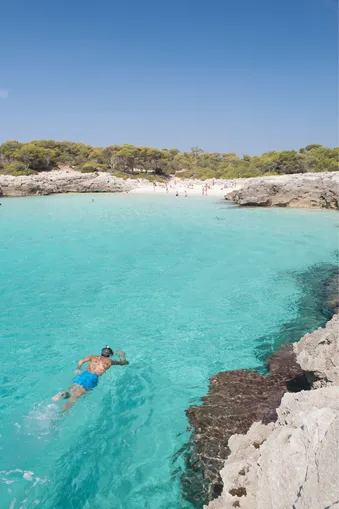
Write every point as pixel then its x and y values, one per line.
pixel 294 462
pixel 309 190
pixel 53 182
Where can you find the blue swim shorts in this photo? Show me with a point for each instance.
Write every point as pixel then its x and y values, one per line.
pixel 87 380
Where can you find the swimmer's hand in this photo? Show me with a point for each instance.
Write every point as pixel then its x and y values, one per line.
pixel 119 353
pixel 77 371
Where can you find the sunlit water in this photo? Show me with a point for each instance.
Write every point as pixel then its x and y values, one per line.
pixel 183 293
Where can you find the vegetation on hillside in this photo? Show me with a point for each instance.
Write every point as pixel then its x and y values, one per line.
pixel 127 160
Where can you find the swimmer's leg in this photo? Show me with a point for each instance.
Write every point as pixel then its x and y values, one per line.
pixel 61 395
pixel 76 391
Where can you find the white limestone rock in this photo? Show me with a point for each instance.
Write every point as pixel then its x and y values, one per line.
pixel 318 354
pixel 320 190
pixel 59 181
pixel 294 462
pixel 297 462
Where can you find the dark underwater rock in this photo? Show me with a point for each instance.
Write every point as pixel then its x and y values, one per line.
pixel 236 399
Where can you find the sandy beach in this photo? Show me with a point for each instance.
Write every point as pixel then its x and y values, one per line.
pixel 191 187
pixel 292 189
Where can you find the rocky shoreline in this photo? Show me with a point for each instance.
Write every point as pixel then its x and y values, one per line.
pixel 310 190
pixel 319 190
pixel 236 399
pixel 292 462
pixel 271 442
pixel 65 181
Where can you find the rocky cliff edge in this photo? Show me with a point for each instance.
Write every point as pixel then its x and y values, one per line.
pixel 292 463
pixel 319 190
pixel 59 181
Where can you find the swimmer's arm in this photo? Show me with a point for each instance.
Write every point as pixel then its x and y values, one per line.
pixel 86 359
pixel 123 362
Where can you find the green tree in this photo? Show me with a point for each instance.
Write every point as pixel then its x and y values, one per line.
pixel 36 158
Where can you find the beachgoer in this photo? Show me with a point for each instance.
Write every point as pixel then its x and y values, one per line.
pixel 166 189
pixel 87 380
pixel 176 193
pixel 185 193
pixel 203 190
pixel 154 184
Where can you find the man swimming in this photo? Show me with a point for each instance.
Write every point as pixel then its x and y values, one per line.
pixel 87 380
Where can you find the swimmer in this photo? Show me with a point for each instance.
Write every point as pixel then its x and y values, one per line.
pixel 176 193
pixel 87 380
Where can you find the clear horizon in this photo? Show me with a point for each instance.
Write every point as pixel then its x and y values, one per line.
pixel 227 77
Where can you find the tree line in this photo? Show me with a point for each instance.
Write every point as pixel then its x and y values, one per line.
pixel 130 161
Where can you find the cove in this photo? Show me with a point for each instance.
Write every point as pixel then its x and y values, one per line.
pixel 186 295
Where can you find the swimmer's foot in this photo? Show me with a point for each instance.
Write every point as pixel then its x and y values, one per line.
pixel 61 395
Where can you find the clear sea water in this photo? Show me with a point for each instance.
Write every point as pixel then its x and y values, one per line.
pixel 183 293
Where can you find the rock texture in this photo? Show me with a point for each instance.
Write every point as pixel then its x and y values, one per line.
pixel 235 400
pixel 63 182
pixel 319 191
pixel 296 465
pixel 294 462
pixel 318 355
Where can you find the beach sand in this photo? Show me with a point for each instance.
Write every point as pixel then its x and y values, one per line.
pixel 191 187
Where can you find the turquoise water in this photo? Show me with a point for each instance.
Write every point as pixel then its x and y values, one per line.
pixel 184 294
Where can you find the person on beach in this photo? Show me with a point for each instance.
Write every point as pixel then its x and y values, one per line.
pixel 185 193
pixel 176 193
pixel 87 380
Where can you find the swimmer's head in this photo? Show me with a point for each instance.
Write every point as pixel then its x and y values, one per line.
pixel 106 352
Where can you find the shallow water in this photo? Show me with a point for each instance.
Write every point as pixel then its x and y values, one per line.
pixel 183 293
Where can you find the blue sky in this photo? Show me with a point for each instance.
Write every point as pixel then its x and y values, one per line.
pixel 238 76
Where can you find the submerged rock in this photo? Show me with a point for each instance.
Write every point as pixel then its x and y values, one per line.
pixel 318 290
pixel 294 462
pixel 235 400
pixel 319 191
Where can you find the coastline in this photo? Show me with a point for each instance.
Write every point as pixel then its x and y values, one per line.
pixel 247 449
pixel 306 190
pixel 293 461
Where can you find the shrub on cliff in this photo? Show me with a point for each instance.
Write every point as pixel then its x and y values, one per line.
pixel 92 167
pixel 16 168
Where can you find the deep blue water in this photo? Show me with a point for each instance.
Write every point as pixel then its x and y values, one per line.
pixel 184 294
